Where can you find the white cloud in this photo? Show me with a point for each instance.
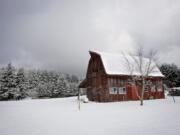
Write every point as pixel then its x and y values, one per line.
pixel 123 42
pixel 172 56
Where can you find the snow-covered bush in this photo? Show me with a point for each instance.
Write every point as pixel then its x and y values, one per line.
pixel 85 100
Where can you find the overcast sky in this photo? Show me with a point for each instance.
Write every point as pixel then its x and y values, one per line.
pixel 57 34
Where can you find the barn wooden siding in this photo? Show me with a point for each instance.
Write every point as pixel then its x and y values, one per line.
pixel 98 84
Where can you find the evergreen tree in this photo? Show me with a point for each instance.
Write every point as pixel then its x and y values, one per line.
pixel 62 86
pixel 172 75
pixel 42 87
pixel 2 90
pixel 32 84
pixel 55 91
pixel 74 79
pixel 8 83
pixel 21 83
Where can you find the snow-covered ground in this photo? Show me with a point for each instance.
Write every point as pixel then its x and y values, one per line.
pixel 61 117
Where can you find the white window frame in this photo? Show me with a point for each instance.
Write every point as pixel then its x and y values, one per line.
pixel 122 90
pixel 153 88
pixel 113 90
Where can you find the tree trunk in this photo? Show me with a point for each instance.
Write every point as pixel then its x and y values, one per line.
pixel 78 94
pixel 142 92
pixel 79 102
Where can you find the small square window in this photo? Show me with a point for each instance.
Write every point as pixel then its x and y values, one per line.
pixel 113 90
pixel 122 90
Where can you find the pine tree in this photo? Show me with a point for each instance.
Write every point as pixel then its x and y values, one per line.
pixel 62 86
pixel 44 84
pixel 32 84
pixel 74 79
pixel 8 83
pixel 21 83
pixel 172 75
pixel 55 89
pixel 2 70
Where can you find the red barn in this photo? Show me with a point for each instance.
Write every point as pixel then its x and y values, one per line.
pixel 108 79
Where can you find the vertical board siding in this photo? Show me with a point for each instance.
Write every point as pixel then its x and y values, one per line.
pixel 99 84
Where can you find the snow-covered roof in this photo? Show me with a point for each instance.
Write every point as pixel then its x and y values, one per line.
pixel 116 64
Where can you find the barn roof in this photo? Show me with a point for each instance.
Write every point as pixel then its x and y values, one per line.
pixel 116 64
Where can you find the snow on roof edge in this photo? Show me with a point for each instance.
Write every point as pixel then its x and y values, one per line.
pixel 109 72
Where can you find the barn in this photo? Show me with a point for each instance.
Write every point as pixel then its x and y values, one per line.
pixel 108 79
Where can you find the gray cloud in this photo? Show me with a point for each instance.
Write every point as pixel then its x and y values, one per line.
pixel 57 35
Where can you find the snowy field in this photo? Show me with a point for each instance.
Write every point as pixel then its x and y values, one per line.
pixel 61 117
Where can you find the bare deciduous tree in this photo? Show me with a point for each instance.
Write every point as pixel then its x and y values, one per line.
pixel 140 67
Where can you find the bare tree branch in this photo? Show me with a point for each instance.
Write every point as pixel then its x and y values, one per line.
pixel 143 65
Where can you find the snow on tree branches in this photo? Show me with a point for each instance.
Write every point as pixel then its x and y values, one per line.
pixel 17 84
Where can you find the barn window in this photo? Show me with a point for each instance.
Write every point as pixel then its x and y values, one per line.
pixel 111 82
pixel 159 85
pixel 122 90
pixel 122 82
pixel 153 88
pixel 113 90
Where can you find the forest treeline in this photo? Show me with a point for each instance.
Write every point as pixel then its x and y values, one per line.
pixel 20 83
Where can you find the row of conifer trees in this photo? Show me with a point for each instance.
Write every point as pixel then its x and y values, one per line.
pixel 20 83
